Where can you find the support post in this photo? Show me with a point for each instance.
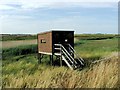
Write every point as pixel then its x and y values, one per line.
pixel 51 59
pixel 61 60
pixel 39 58
pixel 60 56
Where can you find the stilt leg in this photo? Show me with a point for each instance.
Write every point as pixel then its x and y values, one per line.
pixel 39 58
pixel 51 59
pixel 61 60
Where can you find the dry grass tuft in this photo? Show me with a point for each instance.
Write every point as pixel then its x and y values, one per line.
pixel 103 74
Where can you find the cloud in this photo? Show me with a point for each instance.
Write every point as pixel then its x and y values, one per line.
pixel 6 7
pixel 97 5
pixel 33 4
pixel 52 1
pixel 13 17
pixel 80 24
pixel 16 17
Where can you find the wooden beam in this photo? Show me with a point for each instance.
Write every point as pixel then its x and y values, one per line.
pixel 46 53
pixel 61 60
pixel 51 59
pixel 39 58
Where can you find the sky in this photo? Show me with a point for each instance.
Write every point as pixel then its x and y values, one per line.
pixel 35 16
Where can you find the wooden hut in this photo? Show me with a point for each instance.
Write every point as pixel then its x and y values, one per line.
pixel 58 43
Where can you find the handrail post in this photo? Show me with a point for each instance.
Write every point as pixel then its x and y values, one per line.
pixel 60 55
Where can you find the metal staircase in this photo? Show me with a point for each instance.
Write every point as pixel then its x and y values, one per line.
pixel 68 56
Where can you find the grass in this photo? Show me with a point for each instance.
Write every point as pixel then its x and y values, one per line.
pixel 10 44
pixel 21 70
pixel 11 37
pixel 91 50
pixel 96 36
pixel 26 73
pixel 88 49
pixel 20 50
pixel 100 48
pixel 14 37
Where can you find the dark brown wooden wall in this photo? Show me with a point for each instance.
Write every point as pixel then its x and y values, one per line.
pixel 59 37
pixel 47 46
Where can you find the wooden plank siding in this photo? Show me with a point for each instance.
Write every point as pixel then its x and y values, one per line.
pixel 45 46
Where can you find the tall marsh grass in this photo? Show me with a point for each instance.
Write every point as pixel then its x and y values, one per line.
pixel 21 70
pixel 20 50
pixel 31 75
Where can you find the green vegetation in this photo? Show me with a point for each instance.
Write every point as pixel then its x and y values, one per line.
pixel 20 67
pixel 26 73
pixel 11 44
pixel 96 36
pixel 10 37
pixel 91 50
pixel 20 50
pixel 96 48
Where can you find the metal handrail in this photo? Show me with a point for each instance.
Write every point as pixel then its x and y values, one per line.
pixel 74 52
pixel 62 51
pixel 67 57
pixel 66 53
pixel 78 58
pixel 67 62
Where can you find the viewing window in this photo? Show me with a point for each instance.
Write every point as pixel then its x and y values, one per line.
pixel 43 41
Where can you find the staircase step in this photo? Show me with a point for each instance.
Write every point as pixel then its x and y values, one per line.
pixel 69 65
pixel 58 54
pixel 68 56
pixel 57 48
